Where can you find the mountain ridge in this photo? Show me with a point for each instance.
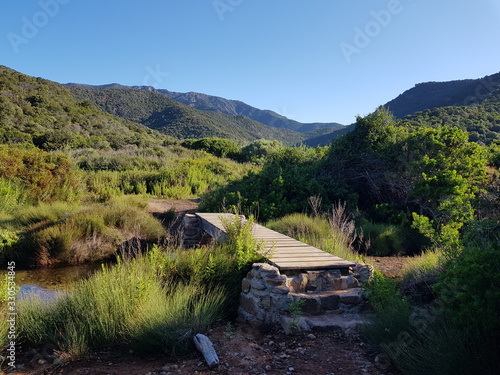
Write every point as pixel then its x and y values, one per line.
pixel 159 112
pixel 456 93
pixel 232 107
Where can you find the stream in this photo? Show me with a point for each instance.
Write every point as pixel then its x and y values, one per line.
pixel 48 282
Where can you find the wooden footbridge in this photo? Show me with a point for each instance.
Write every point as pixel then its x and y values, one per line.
pixel 287 253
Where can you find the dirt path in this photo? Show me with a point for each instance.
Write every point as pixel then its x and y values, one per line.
pixel 241 350
pixel 160 206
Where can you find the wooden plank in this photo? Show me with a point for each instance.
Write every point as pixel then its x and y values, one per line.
pixel 298 250
pixel 290 245
pixel 286 252
pixel 306 265
pixel 302 259
pixel 306 259
pixel 305 255
pixel 312 265
pixel 302 254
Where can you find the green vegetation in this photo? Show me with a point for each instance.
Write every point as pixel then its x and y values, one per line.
pixel 72 234
pixel 34 110
pixel 223 148
pixel 73 181
pixel 170 117
pixel 332 234
pixel 411 188
pixel 154 302
pixel 283 185
pixel 130 305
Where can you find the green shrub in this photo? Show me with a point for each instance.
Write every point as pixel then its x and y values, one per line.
pixel 469 290
pixel 384 239
pixel 216 146
pixel 8 239
pixel 241 242
pixel 392 311
pixel 44 176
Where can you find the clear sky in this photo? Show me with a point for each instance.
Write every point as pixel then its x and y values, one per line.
pixel 310 60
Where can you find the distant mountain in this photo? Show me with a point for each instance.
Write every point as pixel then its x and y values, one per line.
pixel 170 117
pixel 236 107
pixel 431 95
pixel 230 107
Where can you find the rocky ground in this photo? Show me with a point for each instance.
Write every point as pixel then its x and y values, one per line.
pixel 241 350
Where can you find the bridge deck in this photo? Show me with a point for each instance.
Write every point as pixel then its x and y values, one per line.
pixel 287 253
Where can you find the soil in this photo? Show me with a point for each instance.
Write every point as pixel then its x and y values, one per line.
pixel 391 267
pixel 179 206
pixel 241 350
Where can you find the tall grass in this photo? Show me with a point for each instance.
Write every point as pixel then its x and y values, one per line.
pixel 71 234
pixel 421 267
pixel 129 305
pixel 324 233
pixel 44 212
pixel 11 195
pixel 168 174
pixel 384 239
pixel 155 302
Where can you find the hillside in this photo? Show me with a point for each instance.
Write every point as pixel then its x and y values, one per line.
pixel 326 137
pixel 482 122
pixel 45 113
pixel 230 107
pixel 170 117
pixel 431 95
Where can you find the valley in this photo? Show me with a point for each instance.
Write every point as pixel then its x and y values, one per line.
pixel 98 175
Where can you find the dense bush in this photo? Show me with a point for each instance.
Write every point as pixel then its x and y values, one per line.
pixel 283 186
pixel 223 148
pixel 40 175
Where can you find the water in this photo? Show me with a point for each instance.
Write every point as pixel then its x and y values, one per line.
pixel 50 282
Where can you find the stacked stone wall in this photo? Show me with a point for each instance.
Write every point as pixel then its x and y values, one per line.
pixel 267 294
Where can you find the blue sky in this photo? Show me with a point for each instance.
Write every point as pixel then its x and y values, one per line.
pixel 316 60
